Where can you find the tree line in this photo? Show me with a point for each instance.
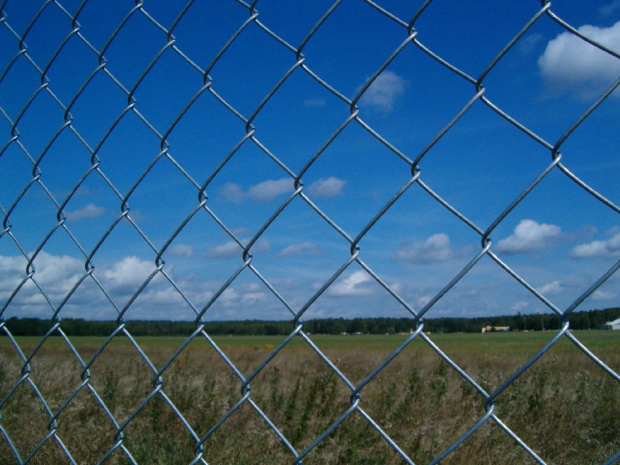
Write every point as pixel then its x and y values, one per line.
pixel 592 319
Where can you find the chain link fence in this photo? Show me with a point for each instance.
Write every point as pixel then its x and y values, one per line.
pixel 65 78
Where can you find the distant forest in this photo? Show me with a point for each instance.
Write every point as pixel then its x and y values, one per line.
pixel 592 319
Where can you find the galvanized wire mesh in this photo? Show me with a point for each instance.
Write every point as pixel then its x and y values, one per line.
pixel 99 65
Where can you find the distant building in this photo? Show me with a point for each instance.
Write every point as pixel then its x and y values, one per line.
pixel 612 324
pixel 487 329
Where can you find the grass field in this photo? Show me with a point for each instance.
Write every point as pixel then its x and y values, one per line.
pixel 565 407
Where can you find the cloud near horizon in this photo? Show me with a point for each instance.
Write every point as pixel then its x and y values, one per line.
pixel 552 288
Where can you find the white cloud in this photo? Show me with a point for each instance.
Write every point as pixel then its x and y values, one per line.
pixel 89 211
pixel 261 245
pixel 528 236
pixel 182 250
pixel 268 190
pixel 56 274
pixel 519 305
pixel 9 277
pixel 422 301
pixel 250 298
pixel 167 296
pixel 603 295
pixel 229 297
pixel 233 192
pixel 326 187
pixel 436 248
pixel 232 249
pixel 265 191
pixel 242 231
pixel 227 250
pixel 353 285
pixel 384 91
pixel 527 43
pixel 61 271
pixel 552 288
pixel 302 248
pixel 595 249
pixel 234 297
pixel 569 64
pixel 126 275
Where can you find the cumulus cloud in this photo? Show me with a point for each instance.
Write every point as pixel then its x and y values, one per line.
pixel 552 288
pixel 60 270
pixel 436 248
pixel 127 274
pixel 596 249
pixel 12 271
pixel 326 187
pixel 519 305
pixel 227 250
pixel 56 274
pixel 527 43
pixel 268 190
pixel 353 285
pixel 271 189
pixel 250 298
pixel 89 211
pixel 302 248
pixel 529 236
pixel 603 295
pixel 182 250
pixel 233 192
pixel 569 64
pixel 232 249
pixel 384 91
pixel 265 191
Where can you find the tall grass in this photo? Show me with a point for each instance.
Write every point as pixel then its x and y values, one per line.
pixel 565 407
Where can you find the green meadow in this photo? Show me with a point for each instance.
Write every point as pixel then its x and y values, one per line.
pixel 565 407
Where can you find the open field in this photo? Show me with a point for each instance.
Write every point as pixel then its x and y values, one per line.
pixel 565 407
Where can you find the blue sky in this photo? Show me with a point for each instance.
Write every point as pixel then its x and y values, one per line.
pixel 559 239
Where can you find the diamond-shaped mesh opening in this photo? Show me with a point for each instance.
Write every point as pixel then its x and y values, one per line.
pixel 21 79
pixel 24 404
pixel 84 421
pixel 129 66
pixel 168 87
pixel 238 86
pixel 530 406
pixel 157 435
pixel 240 435
pixel 121 378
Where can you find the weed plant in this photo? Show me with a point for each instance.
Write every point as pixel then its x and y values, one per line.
pixel 565 407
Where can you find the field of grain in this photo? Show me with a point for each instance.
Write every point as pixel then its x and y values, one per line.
pixel 565 407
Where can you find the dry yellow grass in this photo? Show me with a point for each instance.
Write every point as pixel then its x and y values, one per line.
pixel 565 407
